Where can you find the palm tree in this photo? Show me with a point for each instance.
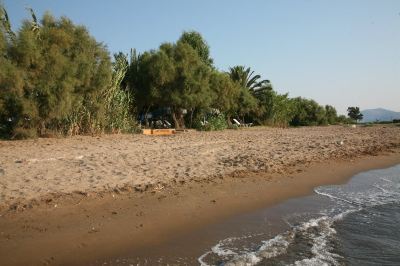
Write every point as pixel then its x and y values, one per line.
pixel 246 79
pixel 251 88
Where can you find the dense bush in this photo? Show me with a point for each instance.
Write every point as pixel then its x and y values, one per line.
pixel 213 123
pixel 308 113
pixel 56 78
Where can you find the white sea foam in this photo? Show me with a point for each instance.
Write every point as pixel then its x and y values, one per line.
pixel 269 249
pixel 202 257
pixel 381 188
pixel 335 197
pixel 387 180
pixel 221 251
pixel 279 245
pixel 224 248
pixel 320 249
pixel 319 230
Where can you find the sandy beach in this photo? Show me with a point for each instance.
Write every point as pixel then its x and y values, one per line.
pixel 40 170
pixel 95 197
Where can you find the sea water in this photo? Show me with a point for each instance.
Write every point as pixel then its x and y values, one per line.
pixel 354 224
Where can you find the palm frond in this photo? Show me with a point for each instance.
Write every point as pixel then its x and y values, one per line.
pixel 5 21
pixel 246 78
pixel 251 81
pixel 35 26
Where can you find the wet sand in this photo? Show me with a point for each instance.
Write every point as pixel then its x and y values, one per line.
pixel 77 230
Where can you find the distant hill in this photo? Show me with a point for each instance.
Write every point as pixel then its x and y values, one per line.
pixel 379 114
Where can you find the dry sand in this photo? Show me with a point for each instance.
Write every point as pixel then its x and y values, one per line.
pixel 34 171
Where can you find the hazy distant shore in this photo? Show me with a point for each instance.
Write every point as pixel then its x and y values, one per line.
pixel 36 171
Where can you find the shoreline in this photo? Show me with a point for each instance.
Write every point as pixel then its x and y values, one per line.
pixel 122 223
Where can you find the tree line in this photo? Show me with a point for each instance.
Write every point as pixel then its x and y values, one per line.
pixel 56 78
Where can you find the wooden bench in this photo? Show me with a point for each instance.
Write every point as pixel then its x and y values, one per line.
pixel 159 132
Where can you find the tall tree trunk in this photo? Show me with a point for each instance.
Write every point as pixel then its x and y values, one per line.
pixel 191 118
pixel 146 120
pixel 175 118
pixel 181 119
pixel 42 129
pixel 228 120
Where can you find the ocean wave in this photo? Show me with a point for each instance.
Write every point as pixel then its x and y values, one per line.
pixel 318 230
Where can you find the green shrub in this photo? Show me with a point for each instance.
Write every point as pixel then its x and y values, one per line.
pixel 215 122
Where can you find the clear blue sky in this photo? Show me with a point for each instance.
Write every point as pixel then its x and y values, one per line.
pixel 337 52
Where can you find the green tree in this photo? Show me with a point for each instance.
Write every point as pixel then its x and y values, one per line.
pixel 251 85
pixel 354 113
pixel 226 94
pixel 247 79
pixel 342 119
pixel 283 110
pixel 56 78
pixel 68 71
pixel 13 105
pixel 331 114
pixel 173 76
pixel 197 42
pixel 148 74
pixel 274 109
pixel 246 104
pixel 308 113
pixel 263 113
pixel 189 88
